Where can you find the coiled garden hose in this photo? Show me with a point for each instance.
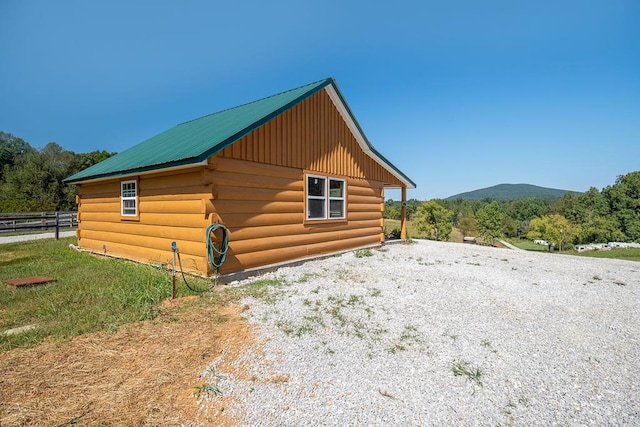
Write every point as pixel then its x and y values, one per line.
pixel 217 256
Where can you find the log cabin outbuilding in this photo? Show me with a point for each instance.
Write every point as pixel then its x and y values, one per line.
pixel 291 176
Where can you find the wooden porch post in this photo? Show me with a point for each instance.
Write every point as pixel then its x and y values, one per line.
pixel 403 214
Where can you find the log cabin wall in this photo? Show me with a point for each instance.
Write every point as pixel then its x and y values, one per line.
pixel 259 189
pixel 170 209
pixel 263 208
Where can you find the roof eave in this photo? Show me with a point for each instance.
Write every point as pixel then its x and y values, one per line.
pixel 181 164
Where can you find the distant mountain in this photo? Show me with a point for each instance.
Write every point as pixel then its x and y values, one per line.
pixel 511 192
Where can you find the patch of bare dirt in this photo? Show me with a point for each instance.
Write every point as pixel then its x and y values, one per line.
pixel 145 374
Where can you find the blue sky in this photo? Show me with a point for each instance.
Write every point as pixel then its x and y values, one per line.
pixel 458 94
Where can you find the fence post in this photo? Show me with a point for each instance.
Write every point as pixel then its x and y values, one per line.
pixel 57 232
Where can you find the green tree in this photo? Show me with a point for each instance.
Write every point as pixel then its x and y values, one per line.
pixel 392 209
pixel 490 219
pixel 522 210
pixel 509 227
pixel 600 229
pixel 12 151
pixel 434 220
pixel 28 187
pixel 412 206
pixel 555 229
pixel 624 201
pixel 467 225
pixel 31 180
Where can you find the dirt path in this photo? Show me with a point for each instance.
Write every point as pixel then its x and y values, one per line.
pixel 147 373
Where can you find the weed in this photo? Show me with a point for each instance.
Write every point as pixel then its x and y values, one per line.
pixel 375 292
pixel 511 405
pixel 262 289
pixel 619 283
pixel 354 299
pixel 487 344
pixel 471 373
pixel 315 290
pixel 303 329
pixel 596 277
pixel 361 253
pixel 306 277
pixel 286 326
pixel 396 348
pixel 210 387
pixel 450 335
pixel 409 335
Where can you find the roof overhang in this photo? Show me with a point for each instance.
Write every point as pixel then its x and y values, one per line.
pixel 138 172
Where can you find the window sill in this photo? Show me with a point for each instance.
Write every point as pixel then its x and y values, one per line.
pixel 308 222
pixel 130 218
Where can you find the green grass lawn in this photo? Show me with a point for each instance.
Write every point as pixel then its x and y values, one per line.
pixel 527 245
pixel 390 224
pixel 90 293
pixel 631 254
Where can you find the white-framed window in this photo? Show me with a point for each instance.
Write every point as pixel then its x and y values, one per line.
pixel 326 198
pixel 129 197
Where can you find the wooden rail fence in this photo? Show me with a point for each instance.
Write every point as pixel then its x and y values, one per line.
pixel 29 221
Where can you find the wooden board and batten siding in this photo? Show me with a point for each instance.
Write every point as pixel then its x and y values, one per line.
pixel 256 188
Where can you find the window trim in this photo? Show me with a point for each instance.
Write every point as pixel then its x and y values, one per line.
pixel 123 198
pixel 326 198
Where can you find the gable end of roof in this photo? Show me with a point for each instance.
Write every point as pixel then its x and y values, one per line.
pixel 194 141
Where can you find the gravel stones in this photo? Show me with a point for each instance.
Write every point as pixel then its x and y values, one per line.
pixel 444 334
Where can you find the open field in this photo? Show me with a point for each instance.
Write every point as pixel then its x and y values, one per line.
pixel 423 334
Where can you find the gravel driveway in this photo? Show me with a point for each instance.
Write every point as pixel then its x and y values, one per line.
pixel 444 334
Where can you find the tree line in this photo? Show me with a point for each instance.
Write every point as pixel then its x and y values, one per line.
pixel 31 179
pixel 596 216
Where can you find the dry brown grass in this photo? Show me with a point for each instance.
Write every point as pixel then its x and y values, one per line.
pixel 147 373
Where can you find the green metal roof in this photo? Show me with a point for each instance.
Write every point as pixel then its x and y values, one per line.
pixel 196 140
